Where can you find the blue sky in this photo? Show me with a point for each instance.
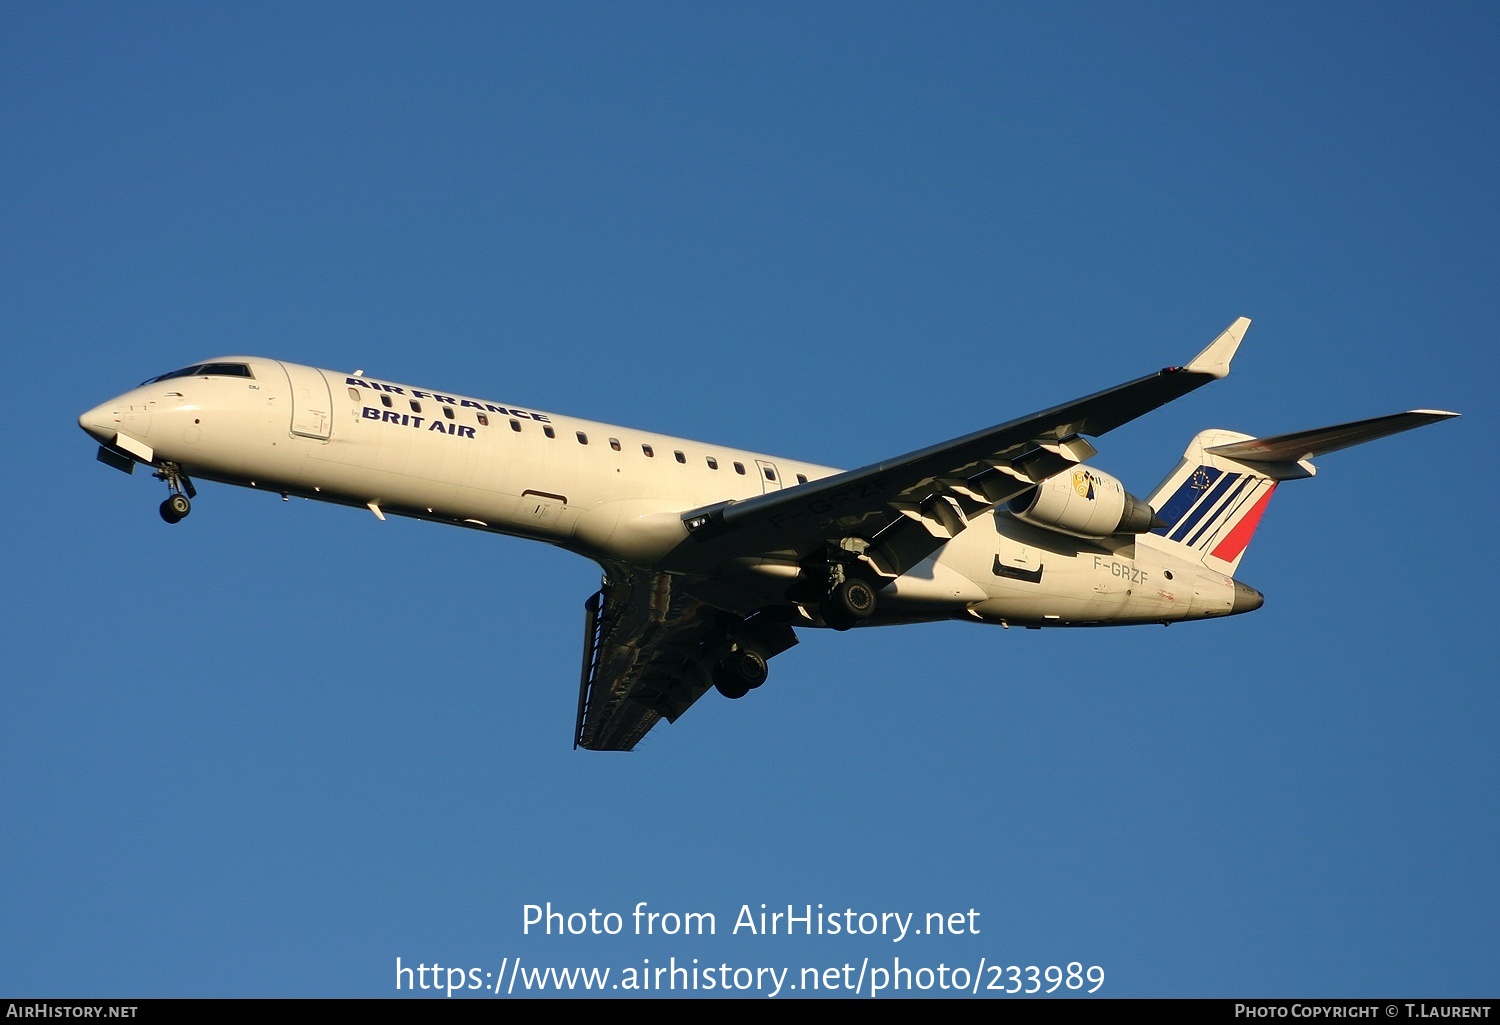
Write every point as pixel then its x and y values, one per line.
pixel 271 749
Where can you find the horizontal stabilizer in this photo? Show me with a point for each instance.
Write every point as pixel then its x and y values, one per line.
pixel 1291 448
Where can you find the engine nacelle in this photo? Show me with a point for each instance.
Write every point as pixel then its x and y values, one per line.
pixel 1086 503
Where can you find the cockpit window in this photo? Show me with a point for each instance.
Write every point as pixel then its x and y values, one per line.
pixel 184 372
pixel 224 370
pixel 206 370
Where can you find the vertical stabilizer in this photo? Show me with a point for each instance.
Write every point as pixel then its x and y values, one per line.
pixel 1213 501
pixel 1212 504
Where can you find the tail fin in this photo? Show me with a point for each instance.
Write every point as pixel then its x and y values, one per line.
pixel 1213 504
pixel 1214 499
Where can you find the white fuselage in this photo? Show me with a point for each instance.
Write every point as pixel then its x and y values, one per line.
pixel 610 493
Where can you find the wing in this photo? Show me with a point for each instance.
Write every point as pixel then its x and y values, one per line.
pixel 903 509
pixel 643 651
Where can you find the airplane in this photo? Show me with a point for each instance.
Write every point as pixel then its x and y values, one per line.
pixel 714 557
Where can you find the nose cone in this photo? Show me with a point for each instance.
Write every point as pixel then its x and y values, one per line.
pixel 101 422
pixel 1246 599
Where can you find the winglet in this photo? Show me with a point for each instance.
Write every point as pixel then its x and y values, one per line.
pixel 1214 360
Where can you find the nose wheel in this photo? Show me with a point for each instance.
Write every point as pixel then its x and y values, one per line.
pixel 177 504
pixel 175 508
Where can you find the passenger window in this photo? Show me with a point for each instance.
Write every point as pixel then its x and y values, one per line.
pixel 549 432
pixel 515 425
pixel 770 473
pixel 583 439
pixel 614 443
pixel 713 464
pixel 680 457
pixel 484 421
pixel 416 407
pixel 739 468
pixel 801 478
pixel 354 394
pixel 448 412
pixel 649 453
pixel 385 400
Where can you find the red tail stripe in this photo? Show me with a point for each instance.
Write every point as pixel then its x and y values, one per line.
pixel 1230 548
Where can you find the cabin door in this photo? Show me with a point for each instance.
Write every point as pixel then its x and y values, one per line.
pixel 312 406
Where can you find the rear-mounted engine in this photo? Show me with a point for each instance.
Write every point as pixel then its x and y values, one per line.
pixel 1086 503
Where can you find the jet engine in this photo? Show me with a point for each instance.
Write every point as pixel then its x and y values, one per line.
pixel 1085 503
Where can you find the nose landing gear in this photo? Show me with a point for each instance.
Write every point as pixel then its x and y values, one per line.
pixel 177 504
pixel 175 508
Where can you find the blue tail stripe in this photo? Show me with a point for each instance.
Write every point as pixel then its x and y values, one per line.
pixel 1226 508
pixel 1183 498
pixel 1209 501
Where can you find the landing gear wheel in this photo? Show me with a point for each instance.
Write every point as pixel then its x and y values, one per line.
pixel 730 689
pixel 857 597
pixel 175 508
pixel 740 672
pixel 852 600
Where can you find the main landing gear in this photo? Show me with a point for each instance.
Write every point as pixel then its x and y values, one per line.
pixel 739 672
pixel 844 598
pixel 178 503
pixel 737 665
pixel 838 587
pixel 850 599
